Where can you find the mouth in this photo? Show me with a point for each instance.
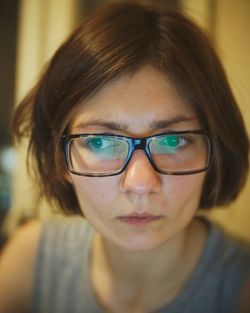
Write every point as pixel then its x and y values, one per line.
pixel 138 219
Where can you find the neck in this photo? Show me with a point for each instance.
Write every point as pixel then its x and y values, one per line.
pixel 140 266
pixel 127 274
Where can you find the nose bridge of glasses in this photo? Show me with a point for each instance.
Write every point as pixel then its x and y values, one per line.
pixel 140 144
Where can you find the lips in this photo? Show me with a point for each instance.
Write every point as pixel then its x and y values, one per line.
pixel 138 219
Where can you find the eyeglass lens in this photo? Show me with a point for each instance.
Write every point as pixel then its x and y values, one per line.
pixel 179 152
pixel 98 154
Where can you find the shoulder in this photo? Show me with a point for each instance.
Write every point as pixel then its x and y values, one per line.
pixel 239 272
pixel 67 231
pixel 62 237
pixel 225 248
pixel 230 254
pixel 245 298
pixel 231 266
pixel 17 261
pixel 62 265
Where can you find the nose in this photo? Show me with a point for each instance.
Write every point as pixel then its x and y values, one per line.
pixel 140 177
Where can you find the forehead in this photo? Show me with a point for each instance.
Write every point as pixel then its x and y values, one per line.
pixel 139 98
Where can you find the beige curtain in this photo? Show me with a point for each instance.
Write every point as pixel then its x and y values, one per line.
pixel 43 25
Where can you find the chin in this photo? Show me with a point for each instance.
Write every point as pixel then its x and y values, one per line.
pixel 140 243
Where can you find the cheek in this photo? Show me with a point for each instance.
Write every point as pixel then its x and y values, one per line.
pixel 183 192
pixel 93 193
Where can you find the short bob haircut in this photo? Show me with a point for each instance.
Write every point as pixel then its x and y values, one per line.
pixel 117 40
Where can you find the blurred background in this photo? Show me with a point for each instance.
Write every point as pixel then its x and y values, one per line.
pixel 31 30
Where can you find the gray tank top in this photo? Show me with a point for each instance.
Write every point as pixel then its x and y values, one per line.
pixel 62 283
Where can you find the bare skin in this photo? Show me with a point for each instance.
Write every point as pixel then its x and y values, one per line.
pixel 17 263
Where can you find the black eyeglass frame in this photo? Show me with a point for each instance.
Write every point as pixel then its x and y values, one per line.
pixel 136 144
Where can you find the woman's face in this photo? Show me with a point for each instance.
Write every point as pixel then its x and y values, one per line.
pixel 161 206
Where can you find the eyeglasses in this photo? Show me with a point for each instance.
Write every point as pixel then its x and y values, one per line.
pixel 172 153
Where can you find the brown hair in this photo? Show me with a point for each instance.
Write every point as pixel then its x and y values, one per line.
pixel 115 40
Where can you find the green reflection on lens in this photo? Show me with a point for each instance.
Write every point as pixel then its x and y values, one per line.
pixel 172 141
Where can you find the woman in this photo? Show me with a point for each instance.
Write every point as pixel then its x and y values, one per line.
pixel 133 126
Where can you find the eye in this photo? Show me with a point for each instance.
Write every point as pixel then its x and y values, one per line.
pixel 171 141
pixel 99 143
pixel 169 144
pixel 104 146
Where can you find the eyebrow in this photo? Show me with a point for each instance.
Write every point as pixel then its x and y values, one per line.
pixel 158 124
pixel 166 123
pixel 103 123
